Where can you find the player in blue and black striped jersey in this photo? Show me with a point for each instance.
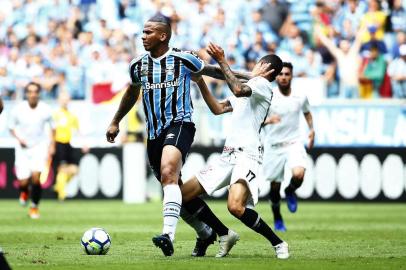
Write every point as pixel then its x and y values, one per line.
pixel 163 75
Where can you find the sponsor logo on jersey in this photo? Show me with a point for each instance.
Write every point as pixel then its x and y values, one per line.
pixel 170 136
pixel 173 83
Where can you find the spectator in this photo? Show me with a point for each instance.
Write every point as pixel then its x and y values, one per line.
pixel 348 63
pixel 372 74
pixel 397 73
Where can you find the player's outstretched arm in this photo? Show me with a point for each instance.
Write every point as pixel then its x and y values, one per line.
pixel 239 89
pixel 215 71
pixel 215 106
pixel 127 102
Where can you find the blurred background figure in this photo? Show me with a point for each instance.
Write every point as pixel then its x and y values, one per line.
pixel 65 160
pixel 28 124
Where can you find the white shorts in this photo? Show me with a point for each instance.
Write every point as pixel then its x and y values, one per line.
pixel 276 158
pixel 32 159
pixel 229 168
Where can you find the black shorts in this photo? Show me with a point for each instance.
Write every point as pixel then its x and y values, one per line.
pixel 179 134
pixel 64 154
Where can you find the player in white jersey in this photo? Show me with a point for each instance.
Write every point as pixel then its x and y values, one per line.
pixel 282 142
pixel 28 124
pixel 240 161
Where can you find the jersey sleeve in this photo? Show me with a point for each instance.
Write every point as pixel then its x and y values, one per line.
pixel 191 61
pixel 133 71
pixel 260 87
pixel 306 105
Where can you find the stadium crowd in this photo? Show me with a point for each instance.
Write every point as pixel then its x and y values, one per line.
pixel 74 45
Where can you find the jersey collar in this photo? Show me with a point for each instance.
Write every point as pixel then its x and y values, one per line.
pixel 162 56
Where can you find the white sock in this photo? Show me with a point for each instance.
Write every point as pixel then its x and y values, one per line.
pixel 171 209
pixel 202 229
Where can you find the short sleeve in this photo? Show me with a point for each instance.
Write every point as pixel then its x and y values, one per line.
pixel 306 105
pixel 260 87
pixel 191 61
pixel 133 72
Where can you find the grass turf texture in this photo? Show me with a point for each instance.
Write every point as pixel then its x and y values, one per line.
pixel 320 235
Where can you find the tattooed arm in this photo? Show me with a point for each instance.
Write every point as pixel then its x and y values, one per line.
pixel 216 72
pixel 127 102
pixel 239 89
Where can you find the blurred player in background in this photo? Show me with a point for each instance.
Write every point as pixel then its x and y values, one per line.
pixel 65 160
pixel 240 161
pixel 28 124
pixel 282 142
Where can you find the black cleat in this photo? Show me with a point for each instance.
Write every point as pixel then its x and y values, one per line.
pixel 202 245
pixel 164 243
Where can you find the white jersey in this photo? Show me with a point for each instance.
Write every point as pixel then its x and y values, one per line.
pixel 248 115
pixel 289 109
pixel 30 124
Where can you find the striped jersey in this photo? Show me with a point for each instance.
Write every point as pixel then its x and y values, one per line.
pixel 165 87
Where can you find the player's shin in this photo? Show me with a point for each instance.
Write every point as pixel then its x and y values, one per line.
pixel 204 213
pixel 172 203
pixel 203 230
pixel 252 220
pixel 36 193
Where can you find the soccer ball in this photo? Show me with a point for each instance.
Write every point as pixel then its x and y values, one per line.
pixel 96 241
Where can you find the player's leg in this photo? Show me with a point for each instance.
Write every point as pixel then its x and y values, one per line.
pixel 23 174
pixel 171 165
pixel 24 191
pixel 275 199
pixel 3 262
pixel 194 204
pixel 176 142
pixel 36 192
pixel 295 182
pixel 236 203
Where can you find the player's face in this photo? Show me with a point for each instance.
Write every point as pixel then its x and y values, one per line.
pixel 152 36
pixel 284 78
pixel 32 95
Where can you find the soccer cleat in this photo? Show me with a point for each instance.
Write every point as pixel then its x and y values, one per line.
pixel 202 245
pixel 226 243
pixel 34 213
pixel 279 225
pixel 164 243
pixel 291 200
pixel 23 198
pixel 282 250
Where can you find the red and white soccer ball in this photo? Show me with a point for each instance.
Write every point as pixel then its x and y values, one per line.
pixel 96 241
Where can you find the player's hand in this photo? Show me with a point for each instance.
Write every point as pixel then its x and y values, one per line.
pixel 262 69
pixel 216 52
pixel 311 139
pixel 22 143
pixel 112 132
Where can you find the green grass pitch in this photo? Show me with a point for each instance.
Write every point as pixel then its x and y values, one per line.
pixel 320 235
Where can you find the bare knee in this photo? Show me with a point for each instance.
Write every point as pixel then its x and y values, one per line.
pixel 168 175
pixel 298 173
pixel 236 209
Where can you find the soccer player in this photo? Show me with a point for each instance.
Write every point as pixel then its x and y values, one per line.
pixel 240 161
pixel 1 104
pixel 164 76
pixel 282 144
pixel 28 124
pixel 66 163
